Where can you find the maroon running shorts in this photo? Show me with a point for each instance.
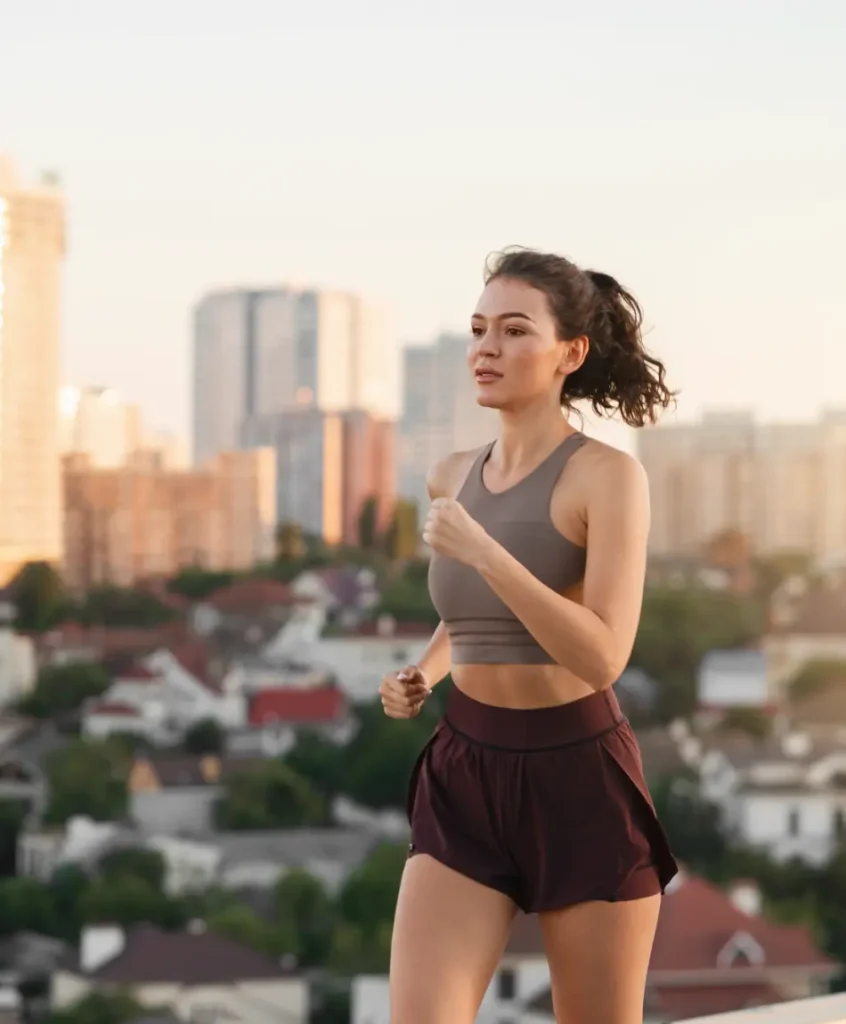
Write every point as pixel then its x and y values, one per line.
pixel 547 805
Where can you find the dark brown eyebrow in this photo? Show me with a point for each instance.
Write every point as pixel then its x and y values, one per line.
pixel 504 316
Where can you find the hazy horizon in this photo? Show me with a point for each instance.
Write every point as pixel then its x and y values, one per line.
pixel 694 151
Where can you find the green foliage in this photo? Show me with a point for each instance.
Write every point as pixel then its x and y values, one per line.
pixel 12 816
pixel 205 737
pixel 749 720
pixel 407 601
pixel 329 1005
pixel 678 627
pixel 358 951
pixel 196 583
pixel 99 1008
pixel 148 865
pixel 402 537
pixel 816 677
pixel 60 689
pixel 270 795
pixel 379 759
pixel 108 605
pixel 368 524
pixel 369 895
pixel 290 544
pixel 242 924
pixel 303 905
pixel 40 597
pixel 87 778
pixel 126 900
pixel 25 905
pixel 320 761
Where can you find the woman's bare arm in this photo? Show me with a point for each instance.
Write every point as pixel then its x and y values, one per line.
pixel 593 639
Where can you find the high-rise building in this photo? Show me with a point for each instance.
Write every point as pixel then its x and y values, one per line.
pixel 140 520
pixel 97 423
pixel 258 353
pixel 782 485
pixel 329 464
pixel 440 412
pixel 32 247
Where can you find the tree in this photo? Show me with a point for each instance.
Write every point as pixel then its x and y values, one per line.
pixel 303 905
pixel 40 597
pixel 60 689
pixel 100 1008
pixel 403 533
pixel 369 895
pixel 368 523
pixel 320 761
pixel 12 815
pixel 148 865
pixel 380 757
pixel 196 583
pixel 242 924
pixel 678 626
pixel 127 900
pixel 205 737
pixel 25 905
pixel 66 888
pixel 815 677
pixel 289 542
pixel 407 600
pixel 87 778
pixel 108 605
pixel 358 951
pixel 752 721
pixel 270 795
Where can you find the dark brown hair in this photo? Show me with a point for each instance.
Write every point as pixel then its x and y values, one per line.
pixel 618 373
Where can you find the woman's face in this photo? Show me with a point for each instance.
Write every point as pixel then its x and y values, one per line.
pixel 515 354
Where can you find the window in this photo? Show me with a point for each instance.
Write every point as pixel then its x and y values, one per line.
pixel 506 986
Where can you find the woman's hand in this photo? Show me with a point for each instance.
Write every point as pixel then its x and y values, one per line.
pixel 454 533
pixel 403 692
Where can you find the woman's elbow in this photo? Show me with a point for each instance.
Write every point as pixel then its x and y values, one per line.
pixel 606 670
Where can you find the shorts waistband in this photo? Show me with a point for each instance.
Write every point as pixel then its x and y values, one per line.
pixel 533 728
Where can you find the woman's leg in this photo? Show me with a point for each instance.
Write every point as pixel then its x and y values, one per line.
pixel 449 935
pixel 598 959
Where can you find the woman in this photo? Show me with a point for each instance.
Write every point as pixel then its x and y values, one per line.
pixel 530 794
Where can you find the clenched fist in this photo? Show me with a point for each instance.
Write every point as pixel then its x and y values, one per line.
pixel 403 692
pixel 453 532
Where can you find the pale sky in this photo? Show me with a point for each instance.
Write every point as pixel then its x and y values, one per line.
pixel 696 149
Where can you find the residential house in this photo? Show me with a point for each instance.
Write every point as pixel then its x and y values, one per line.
pixel 729 679
pixel 176 794
pixel 17 657
pixel 714 953
pixel 242 606
pixel 257 860
pixel 786 795
pixel 71 642
pixel 199 975
pixel 194 686
pixel 807 623
pixel 346 593
pixel 359 658
pixel 81 842
pixel 276 717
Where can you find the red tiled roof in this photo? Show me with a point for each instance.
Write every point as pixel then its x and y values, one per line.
pixel 112 641
pixel 252 595
pixel 303 704
pixel 194 657
pixel 138 674
pixel 698 919
pixel 152 956
pixel 115 708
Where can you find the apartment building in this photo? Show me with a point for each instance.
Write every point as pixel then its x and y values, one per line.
pixel 143 519
pixel 782 485
pixel 32 249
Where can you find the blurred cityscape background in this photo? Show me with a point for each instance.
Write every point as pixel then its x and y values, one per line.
pixel 212 477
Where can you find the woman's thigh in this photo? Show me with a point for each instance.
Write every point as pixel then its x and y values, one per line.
pixel 598 958
pixel 449 935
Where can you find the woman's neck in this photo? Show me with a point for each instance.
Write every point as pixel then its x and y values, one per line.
pixel 529 436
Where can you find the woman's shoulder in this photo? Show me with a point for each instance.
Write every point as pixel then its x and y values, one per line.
pixel 446 478
pixel 600 469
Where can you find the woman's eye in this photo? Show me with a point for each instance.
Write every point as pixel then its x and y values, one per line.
pixel 477 332
pixel 514 332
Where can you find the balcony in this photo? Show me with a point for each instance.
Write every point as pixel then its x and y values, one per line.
pixel 824 1010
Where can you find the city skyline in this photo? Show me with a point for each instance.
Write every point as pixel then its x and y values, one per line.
pixel 716 198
